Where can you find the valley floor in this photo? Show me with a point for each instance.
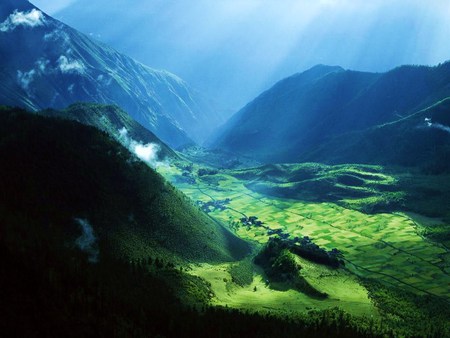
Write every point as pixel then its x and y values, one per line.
pixel 385 247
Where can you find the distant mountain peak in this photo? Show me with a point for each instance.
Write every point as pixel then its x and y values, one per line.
pixel 323 67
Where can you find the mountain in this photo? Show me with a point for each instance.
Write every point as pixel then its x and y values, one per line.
pixel 301 112
pixel 58 175
pixel 46 64
pixel 419 140
pixel 234 59
pixel 112 120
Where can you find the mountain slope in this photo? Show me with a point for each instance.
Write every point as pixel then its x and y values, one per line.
pixel 60 173
pixel 420 140
pixel 112 120
pixel 45 63
pixel 299 113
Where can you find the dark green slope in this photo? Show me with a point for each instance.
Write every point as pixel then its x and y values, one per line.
pixel 300 113
pixel 410 142
pixel 110 119
pixel 48 291
pixel 54 171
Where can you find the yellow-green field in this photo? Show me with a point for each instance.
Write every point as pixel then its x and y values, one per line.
pixel 385 247
pixel 343 289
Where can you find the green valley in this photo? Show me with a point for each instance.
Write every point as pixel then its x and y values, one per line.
pixel 109 243
pixel 297 184
pixel 356 209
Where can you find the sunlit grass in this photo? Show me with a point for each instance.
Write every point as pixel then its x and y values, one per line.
pixel 383 246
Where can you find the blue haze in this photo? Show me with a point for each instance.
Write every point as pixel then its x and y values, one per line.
pixel 234 49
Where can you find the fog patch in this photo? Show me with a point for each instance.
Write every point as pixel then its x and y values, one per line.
pixel 42 65
pixel 104 80
pixel 70 66
pixel 87 242
pixel 149 153
pixel 439 126
pixel 31 19
pixel 24 79
pixel 57 35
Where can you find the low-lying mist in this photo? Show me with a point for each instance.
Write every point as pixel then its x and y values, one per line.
pixel 439 126
pixel 149 152
pixel 87 241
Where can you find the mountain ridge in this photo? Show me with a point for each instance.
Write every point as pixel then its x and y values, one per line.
pixel 59 66
pixel 300 113
pixel 419 140
pixel 111 119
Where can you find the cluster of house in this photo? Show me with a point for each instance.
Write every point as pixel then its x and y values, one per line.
pixel 214 205
pixel 252 221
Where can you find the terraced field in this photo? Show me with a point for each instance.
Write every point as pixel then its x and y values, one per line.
pixel 383 246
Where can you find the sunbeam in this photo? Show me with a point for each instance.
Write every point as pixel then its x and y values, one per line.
pixel 234 49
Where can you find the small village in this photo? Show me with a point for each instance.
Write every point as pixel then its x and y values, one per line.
pixel 219 205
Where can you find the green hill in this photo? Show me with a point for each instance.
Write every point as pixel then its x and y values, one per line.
pixel 111 119
pixel 54 172
pixel 369 188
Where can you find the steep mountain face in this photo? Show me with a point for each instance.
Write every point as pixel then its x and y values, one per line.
pixel 301 112
pixel 61 176
pixel 46 64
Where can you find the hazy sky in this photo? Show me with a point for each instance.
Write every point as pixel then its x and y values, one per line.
pixel 234 49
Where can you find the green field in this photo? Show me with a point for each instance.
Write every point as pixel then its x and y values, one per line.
pixel 343 289
pixel 385 246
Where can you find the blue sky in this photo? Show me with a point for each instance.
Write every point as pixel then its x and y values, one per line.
pixel 52 6
pixel 234 49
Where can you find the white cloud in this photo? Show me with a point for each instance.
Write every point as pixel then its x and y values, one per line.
pixel 439 126
pixel 146 152
pixel 104 80
pixel 62 38
pixel 25 78
pixel 31 18
pixel 70 66
pixel 70 88
pixel 87 241
pixel 42 64
pixel 52 36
